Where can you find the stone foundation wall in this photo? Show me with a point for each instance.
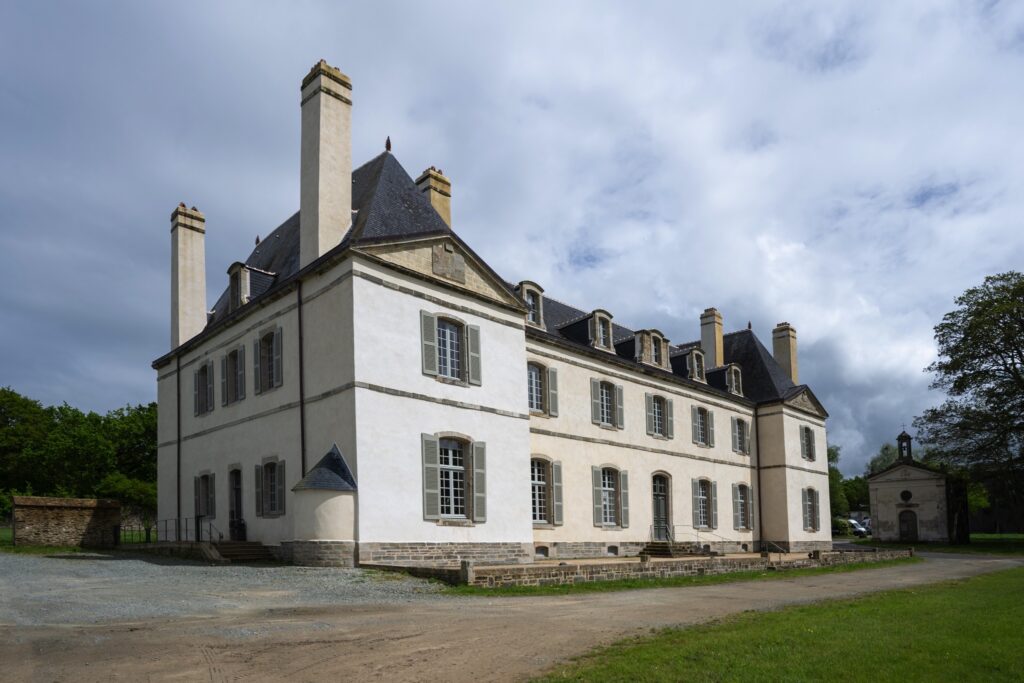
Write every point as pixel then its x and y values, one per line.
pixel 441 554
pixel 798 546
pixel 548 574
pixel 584 550
pixel 321 553
pixel 83 522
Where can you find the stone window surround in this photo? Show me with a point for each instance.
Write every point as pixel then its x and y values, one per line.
pixel 526 287
pixel 271 460
pixel 467 443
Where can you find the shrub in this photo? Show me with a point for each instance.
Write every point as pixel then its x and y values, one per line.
pixel 840 527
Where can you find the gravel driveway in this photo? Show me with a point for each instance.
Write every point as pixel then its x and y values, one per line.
pixel 94 588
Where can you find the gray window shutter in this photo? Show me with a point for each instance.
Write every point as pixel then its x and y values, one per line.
pixel 736 522
pixel 817 510
pixel 649 406
pixel 620 410
pixel 624 499
pixel 223 380
pixel 592 328
pixel 479 481
pixel 431 477
pixel 735 434
pixel 428 343
pixel 259 490
pixel 595 401
pixel 280 487
pixel 211 504
pixel 240 372
pixel 803 448
pixel 695 485
pixel 552 392
pixel 803 506
pixel 750 507
pixel 670 429
pixel 195 391
pixel 746 438
pixel 195 484
pixel 711 428
pixel 596 476
pixel 278 369
pixel 474 354
pixel 810 443
pixel 209 386
pixel 556 493
pixel 695 424
pixel 256 383
pixel 714 505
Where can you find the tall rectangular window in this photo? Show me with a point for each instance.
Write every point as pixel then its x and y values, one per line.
pixel 539 486
pixel 703 508
pixel 270 487
pixel 531 307
pixel 535 386
pixel 702 425
pixel 449 358
pixel 609 499
pixel 743 506
pixel 656 351
pixel 604 333
pixel 607 403
pixel 452 478
pixel 658 414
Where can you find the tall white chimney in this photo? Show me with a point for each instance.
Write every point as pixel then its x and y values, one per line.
pixel 784 350
pixel 711 342
pixel 188 274
pixel 325 184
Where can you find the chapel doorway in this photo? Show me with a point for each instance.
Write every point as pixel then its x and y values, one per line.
pixel 659 487
pixel 236 527
pixel 908 526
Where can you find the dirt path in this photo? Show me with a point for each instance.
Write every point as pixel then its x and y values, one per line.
pixel 460 639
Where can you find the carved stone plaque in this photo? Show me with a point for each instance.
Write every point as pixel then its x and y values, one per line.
pixel 447 263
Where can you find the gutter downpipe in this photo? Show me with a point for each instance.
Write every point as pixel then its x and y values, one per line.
pixel 760 493
pixel 177 446
pixel 302 383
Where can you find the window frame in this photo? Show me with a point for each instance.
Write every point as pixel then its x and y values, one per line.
pixel 534 313
pixel 203 379
pixel 268 359
pixel 743 505
pixel 807 444
pixel 734 380
pixel 611 515
pixel 456 489
pixel 454 331
pixel 811 512
pixel 695 366
pixel 659 410
pixel 606 388
pixel 703 512
pixel 536 390
pixel 540 491
pixel 703 426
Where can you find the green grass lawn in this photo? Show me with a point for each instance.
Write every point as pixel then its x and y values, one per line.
pixel 629 584
pixel 1003 544
pixel 6 536
pixel 959 631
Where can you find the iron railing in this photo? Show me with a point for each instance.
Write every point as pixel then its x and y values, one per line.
pixel 197 529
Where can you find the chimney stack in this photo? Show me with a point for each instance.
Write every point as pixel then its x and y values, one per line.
pixel 325 184
pixel 784 349
pixel 711 338
pixel 188 274
pixel 438 189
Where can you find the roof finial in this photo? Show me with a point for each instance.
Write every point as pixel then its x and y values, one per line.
pixel 387 144
pixel 257 240
pixel 749 326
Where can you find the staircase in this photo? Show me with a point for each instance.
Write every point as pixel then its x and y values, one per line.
pixel 244 552
pixel 672 549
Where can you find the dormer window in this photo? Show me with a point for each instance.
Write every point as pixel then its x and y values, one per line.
pixel 734 380
pixel 656 352
pixel 532 315
pixel 532 296
pixel 238 286
pixel 651 348
pixel 604 333
pixel 696 365
pixel 601 330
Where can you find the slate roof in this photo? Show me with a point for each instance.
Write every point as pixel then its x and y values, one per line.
pixel 330 474
pixel 386 205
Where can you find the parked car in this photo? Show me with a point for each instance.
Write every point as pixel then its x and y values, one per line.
pixel 857 528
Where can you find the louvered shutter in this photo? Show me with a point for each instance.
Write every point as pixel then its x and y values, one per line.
pixel 278 352
pixel 695 486
pixel 810 443
pixel 735 434
pixel 714 505
pixel 695 423
pixel 746 438
pixel 620 410
pixel 195 391
pixel 259 490
pixel 240 373
pixel 750 508
pixel 479 481
pixel 198 506
pixel 803 447
pixel 649 406
pixel 281 490
pixel 556 493
pixel 624 499
pixel 428 342
pixel 595 473
pixel 256 379
pixel 736 521
pixel 211 498
pixel 670 428
pixel 595 401
pixel 474 354
pixel 431 477
pixel 552 392
pixel 223 380
pixel 817 510
pixel 711 429
pixel 803 505
pixel 209 386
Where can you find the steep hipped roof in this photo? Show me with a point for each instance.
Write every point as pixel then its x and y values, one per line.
pixel 330 474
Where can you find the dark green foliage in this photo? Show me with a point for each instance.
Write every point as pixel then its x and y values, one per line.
pixel 887 455
pixel 836 495
pixel 856 491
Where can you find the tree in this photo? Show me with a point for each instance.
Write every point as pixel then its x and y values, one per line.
pixel 23 423
pixel 887 455
pixel 980 366
pixel 132 432
pixel 836 496
pixel 856 491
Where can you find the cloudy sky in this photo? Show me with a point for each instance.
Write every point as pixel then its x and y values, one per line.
pixel 849 170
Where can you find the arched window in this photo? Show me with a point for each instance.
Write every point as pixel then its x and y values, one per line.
pixel 656 350
pixel 734 380
pixel 532 307
pixel 535 386
pixel 696 365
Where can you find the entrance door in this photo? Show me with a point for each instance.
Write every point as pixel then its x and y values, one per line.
pixel 908 526
pixel 659 486
pixel 235 505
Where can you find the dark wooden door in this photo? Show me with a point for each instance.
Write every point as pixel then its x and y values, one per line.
pixel 908 526
pixel 235 505
pixel 659 486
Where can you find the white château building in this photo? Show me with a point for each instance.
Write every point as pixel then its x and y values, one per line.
pixel 368 389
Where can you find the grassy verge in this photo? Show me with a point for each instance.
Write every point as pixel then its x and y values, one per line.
pixel 964 630
pixel 6 536
pixel 999 544
pixel 632 584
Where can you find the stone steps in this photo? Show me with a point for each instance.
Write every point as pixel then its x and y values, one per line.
pixel 239 552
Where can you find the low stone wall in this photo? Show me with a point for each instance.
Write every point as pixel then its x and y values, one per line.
pixel 582 550
pixel 549 574
pixel 323 553
pixel 441 554
pixel 82 522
